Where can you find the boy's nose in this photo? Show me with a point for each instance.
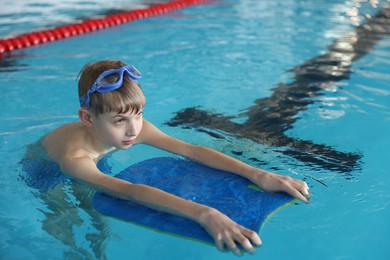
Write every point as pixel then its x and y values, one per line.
pixel 132 129
pixel 131 132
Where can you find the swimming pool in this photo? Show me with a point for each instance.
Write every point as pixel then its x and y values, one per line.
pixel 216 59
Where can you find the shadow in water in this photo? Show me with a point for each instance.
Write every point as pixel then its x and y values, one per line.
pixel 269 119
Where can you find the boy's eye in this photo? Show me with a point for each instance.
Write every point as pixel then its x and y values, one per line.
pixel 120 121
pixel 139 114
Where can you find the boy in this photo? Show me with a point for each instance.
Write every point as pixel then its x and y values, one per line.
pixel 111 118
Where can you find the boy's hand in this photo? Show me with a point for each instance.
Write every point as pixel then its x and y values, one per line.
pixel 272 182
pixel 228 234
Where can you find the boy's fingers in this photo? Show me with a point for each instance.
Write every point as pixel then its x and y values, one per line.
pixel 304 188
pixel 297 194
pixel 244 242
pixel 247 246
pixel 305 191
pixel 253 237
pixel 301 185
pixel 220 243
pixel 247 239
pixel 232 246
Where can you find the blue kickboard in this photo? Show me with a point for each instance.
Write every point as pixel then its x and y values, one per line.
pixel 233 195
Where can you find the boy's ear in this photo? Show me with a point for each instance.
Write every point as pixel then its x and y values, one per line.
pixel 85 117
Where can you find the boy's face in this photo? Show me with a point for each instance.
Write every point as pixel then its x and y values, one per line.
pixel 118 130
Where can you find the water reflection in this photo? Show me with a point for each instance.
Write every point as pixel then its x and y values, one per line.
pixel 267 121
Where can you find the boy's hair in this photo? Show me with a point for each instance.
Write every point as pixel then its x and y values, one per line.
pixel 129 97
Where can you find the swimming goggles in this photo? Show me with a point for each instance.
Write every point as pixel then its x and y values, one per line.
pixel 101 85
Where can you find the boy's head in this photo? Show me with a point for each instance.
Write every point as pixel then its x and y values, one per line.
pixel 127 97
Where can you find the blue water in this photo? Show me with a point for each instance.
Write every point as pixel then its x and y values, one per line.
pixel 221 57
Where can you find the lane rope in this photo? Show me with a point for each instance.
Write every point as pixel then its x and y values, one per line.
pixel 65 31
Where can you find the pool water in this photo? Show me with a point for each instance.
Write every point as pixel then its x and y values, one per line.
pixel 217 58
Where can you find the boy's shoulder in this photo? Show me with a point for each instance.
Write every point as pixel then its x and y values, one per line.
pixel 65 139
pixel 65 131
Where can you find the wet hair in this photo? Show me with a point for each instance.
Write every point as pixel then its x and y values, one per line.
pixel 128 98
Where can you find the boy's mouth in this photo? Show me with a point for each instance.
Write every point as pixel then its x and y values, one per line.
pixel 128 142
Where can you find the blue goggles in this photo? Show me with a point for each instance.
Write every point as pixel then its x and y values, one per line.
pixel 101 85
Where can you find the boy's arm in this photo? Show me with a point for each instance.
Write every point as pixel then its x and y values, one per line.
pixel 268 181
pixel 224 231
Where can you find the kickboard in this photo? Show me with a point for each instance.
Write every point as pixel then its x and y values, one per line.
pixel 233 195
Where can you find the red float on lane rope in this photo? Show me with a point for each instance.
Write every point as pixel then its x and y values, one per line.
pixel 65 31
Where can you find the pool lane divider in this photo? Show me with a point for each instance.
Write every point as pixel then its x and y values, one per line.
pixel 65 31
